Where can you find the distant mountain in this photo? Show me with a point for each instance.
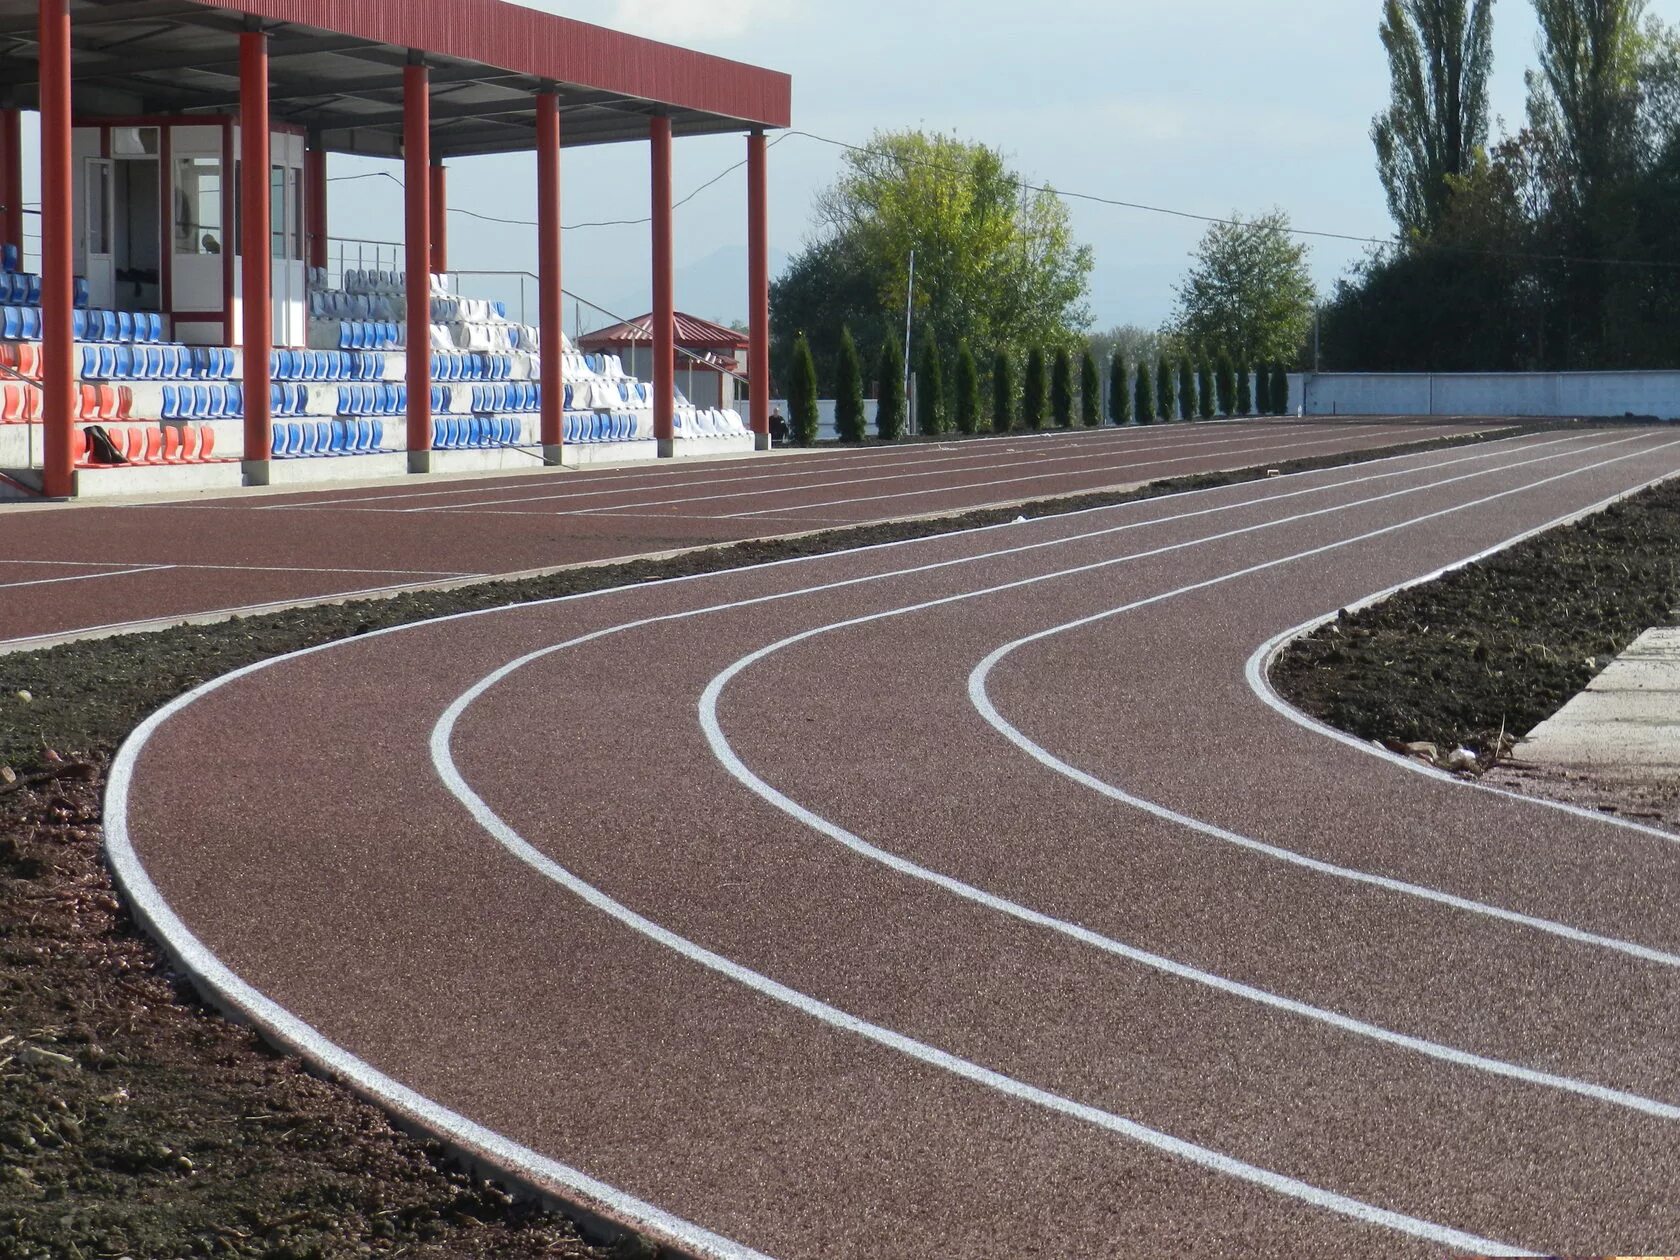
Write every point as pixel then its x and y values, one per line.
pixel 714 288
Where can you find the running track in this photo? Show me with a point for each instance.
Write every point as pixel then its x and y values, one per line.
pixel 962 897
pixel 69 572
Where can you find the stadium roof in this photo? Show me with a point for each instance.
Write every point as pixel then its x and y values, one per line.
pixel 336 70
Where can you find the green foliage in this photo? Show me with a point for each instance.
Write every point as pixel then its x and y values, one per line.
pixel 1205 402
pixel 1249 292
pixel 1033 390
pixel 1186 390
pixel 848 387
pixel 889 392
pixel 802 395
pixel 1119 389
pixel 968 391
pixel 1003 392
pixel 1163 389
pixel 1143 396
pixel 1061 388
pixel 930 391
pixel 1262 389
pixel 1280 390
pixel 1245 391
pixel 1225 384
pixel 1090 391
pixel 1440 53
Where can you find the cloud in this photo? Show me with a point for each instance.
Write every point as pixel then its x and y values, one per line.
pixel 683 21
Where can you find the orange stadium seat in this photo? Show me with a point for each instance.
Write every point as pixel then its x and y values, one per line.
pixel 12 402
pixel 192 444
pixel 79 447
pixel 28 360
pixel 172 444
pixel 34 403
pixel 207 448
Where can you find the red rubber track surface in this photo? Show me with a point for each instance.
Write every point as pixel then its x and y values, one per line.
pixel 320 853
pixel 206 556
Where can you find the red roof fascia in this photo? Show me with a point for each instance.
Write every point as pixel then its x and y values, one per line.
pixel 545 45
pixel 692 333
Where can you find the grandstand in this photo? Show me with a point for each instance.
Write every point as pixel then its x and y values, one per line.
pixel 182 330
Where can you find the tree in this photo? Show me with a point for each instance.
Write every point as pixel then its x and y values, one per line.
pixel 1585 97
pixel 1061 388
pixel 821 292
pixel 1280 390
pixel 1003 392
pixel 1119 390
pixel 1090 391
pixel 1249 292
pixel 1143 396
pixel 968 391
pixel 848 391
pixel 1186 390
pixel 802 395
pixel 1206 404
pixel 930 391
pixel 1225 384
pixel 1033 389
pixel 1440 54
pixel 889 392
pixel 1262 390
pixel 1245 391
pixel 1163 389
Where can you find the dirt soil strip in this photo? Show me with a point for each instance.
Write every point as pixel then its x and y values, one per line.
pixel 1195 978
pixel 208 557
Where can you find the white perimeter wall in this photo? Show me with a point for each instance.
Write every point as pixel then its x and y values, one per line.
pixel 1584 394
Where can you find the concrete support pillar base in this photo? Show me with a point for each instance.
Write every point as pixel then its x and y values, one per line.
pixel 667 448
pixel 761 442
pixel 554 455
pixel 256 472
pixel 419 461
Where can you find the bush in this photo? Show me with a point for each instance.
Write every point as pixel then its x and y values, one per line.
pixel 889 390
pixel 1033 390
pixel 1245 392
pixel 1003 392
pixel 1186 390
pixel 802 395
pixel 1061 389
pixel 1143 396
pixel 1090 391
pixel 1119 390
pixel 1225 384
pixel 968 390
pixel 930 392
pixel 1262 390
pixel 1205 402
pixel 1280 390
pixel 848 391
pixel 1163 390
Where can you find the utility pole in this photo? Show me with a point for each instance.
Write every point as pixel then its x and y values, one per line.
pixel 909 309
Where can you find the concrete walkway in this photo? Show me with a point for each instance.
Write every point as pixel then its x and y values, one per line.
pixel 1625 725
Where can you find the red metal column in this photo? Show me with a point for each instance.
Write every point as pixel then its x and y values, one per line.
pixel 664 294
pixel 417 155
pixel 758 288
pixel 256 253
pixel 58 294
pixel 11 179
pixel 315 205
pixel 552 306
pixel 440 217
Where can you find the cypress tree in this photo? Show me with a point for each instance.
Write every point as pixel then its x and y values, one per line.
pixel 1033 388
pixel 802 395
pixel 1225 384
pixel 889 390
pixel 1186 390
pixel 1245 392
pixel 1143 396
pixel 1090 391
pixel 1119 390
pixel 930 392
pixel 968 390
pixel 1061 389
pixel 1163 389
pixel 1205 402
pixel 848 390
pixel 1280 390
pixel 1262 390
pixel 1003 392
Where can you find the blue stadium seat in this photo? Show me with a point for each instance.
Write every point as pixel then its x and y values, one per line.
pixel 10 258
pixel 80 293
pixel 33 295
pixel 31 323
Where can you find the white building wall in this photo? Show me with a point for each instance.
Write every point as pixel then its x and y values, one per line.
pixel 1543 394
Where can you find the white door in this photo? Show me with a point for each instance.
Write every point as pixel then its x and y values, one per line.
pixel 291 326
pixel 99 230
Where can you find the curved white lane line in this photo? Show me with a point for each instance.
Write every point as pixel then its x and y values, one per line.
pixel 834 1017
pixel 213 978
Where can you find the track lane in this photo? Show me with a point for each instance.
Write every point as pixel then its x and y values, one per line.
pixel 563 748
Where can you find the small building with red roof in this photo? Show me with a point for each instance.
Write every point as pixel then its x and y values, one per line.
pixel 710 358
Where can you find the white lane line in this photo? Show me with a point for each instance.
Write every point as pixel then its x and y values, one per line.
pixel 1011 481
pixel 146 566
pixel 932 1056
pixel 216 979
pixel 88 577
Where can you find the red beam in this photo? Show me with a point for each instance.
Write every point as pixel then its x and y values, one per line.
pixel 552 304
pixel 315 201
pixel 417 155
pixel 256 250
pixel 664 293
pixel 758 288
pixel 11 179
pixel 440 217
pixel 58 297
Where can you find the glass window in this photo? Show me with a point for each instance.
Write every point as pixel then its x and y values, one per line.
pixel 298 251
pixel 99 207
pixel 277 211
pixel 198 205
pixel 134 142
